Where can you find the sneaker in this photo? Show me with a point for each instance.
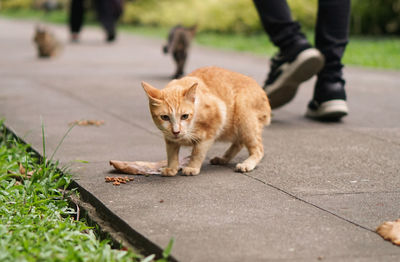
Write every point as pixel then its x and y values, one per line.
pixel 329 103
pixel 287 73
pixel 74 38
pixel 110 37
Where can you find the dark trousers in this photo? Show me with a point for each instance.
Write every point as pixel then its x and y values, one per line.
pixel 331 36
pixel 108 12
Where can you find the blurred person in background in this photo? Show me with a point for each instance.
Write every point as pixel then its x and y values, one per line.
pixel 297 61
pixel 108 12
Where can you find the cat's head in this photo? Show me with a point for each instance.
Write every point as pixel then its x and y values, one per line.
pixel 41 34
pixel 173 109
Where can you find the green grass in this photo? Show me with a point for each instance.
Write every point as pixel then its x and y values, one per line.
pixel 256 44
pixel 373 52
pixel 36 221
pixel 59 17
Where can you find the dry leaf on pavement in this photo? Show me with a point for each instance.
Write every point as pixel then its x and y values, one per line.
pixel 390 230
pixel 87 123
pixel 118 180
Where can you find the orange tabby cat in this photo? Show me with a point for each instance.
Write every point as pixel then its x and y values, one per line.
pixel 210 104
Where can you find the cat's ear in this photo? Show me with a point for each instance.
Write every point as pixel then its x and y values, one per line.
pixel 153 93
pixel 190 94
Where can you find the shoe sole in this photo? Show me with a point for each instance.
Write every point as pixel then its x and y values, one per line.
pixel 332 110
pixel 307 64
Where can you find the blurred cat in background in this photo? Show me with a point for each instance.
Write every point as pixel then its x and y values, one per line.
pixel 178 44
pixel 46 43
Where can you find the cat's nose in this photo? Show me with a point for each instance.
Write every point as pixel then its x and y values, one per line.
pixel 176 132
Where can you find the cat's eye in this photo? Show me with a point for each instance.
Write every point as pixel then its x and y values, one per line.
pixel 164 117
pixel 184 116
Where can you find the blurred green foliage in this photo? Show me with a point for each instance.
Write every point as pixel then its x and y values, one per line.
pixel 15 4
pixel 35 4
pixel 209 15
pixel 240 16
pixel 375 17
pixel 226 16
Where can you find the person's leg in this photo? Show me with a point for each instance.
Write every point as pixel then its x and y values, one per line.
pixel 331 38
pixel 296 62
pixel 277 21
pixel 106 17
pixel 332 34
pixel 76 16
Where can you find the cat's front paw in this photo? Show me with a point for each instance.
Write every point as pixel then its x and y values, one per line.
pixel 244 167
pixel 218 161
pixel 166 171
pixel 190 171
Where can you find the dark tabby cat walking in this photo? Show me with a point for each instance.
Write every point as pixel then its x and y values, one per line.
pixel 47 44
pixel 179 40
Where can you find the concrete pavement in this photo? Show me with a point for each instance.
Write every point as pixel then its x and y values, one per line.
pixel 319 193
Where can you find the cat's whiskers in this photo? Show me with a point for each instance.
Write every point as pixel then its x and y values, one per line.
pixel 192 137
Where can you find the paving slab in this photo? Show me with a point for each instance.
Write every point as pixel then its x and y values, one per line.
pixel 318 194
